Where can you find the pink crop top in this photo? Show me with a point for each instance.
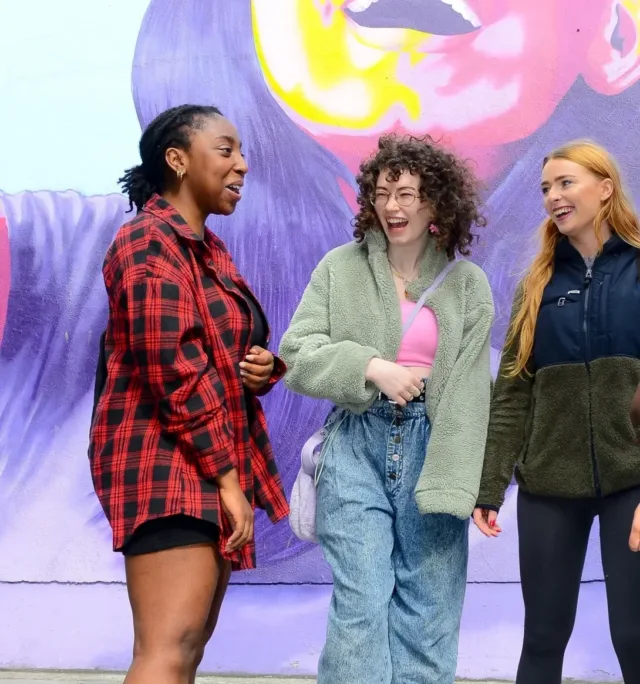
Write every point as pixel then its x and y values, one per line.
pixel 419 345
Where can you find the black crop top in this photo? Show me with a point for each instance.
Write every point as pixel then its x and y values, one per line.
pixel 259 330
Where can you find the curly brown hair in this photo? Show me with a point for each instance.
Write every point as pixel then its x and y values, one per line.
pixel 446 183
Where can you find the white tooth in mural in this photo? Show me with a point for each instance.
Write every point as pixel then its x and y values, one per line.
pixel 359 5
pixel 461 7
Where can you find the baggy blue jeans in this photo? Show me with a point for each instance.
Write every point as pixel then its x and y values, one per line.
pixel 399 577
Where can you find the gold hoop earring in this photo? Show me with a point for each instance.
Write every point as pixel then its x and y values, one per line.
pixel 180 173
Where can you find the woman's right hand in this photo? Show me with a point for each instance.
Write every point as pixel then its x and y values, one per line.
pixel 237 509
pixel 486 520
pixel 397 382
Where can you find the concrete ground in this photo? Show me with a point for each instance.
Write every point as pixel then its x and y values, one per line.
pixel 90 678
pixel 30 677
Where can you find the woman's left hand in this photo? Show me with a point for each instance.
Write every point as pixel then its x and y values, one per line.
pixel 257 368
pixel 634 539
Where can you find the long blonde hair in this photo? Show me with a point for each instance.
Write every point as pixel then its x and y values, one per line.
pixel 617 212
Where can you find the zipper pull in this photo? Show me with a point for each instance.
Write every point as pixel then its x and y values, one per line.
pixel 588 275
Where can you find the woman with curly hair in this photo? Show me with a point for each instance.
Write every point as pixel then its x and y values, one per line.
pixel 560 411
pixel 402 463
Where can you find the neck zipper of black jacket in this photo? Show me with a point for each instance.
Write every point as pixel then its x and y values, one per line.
pixel 587 357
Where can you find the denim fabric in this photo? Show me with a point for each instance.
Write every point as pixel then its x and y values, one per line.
pixel 399 577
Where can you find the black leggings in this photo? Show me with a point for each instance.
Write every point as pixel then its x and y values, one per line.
pixel 553 543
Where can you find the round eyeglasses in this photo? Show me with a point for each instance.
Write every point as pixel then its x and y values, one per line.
pixel 405 198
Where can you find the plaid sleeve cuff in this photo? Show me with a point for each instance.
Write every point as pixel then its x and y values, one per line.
pixel 216 462
pixel 279 369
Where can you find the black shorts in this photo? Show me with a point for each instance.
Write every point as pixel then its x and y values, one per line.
pixel 170 532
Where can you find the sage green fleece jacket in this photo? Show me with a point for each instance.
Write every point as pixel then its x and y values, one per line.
pixel 350 313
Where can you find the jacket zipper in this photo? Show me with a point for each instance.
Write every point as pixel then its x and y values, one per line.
pixel 587 354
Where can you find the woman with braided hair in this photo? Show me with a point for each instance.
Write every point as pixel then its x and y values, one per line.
pixel 180 453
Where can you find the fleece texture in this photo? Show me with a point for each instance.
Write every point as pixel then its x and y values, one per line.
pixel 565 425
pixel 542 428
pixel 350 313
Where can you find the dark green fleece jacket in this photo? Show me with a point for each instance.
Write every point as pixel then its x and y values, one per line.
pixel 565 427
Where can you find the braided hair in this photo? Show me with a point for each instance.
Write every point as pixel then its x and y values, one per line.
pixel 172 128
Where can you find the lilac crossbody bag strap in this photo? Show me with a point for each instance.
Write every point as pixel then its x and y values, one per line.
pixel 308 450
pixel 420 303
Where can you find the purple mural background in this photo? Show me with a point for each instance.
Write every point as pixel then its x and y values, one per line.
pixel 54 542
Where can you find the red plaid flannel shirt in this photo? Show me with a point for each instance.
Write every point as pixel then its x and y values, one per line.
pixel 173 413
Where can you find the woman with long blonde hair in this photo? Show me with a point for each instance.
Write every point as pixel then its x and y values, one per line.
pixel 560 411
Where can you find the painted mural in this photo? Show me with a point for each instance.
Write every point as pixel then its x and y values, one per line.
pixel 310 84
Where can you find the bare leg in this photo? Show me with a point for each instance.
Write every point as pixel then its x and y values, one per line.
pixel 171 594
pixel 212 620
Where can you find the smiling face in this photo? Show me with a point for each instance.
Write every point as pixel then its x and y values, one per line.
pixel 350 70
pixel 573 196
pixel 404 217
pixel 214 165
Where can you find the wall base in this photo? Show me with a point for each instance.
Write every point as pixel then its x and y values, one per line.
pixel 67 627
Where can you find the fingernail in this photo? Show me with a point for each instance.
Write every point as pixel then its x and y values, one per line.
pixel 250 358
pixel 242 364
pixel 492 523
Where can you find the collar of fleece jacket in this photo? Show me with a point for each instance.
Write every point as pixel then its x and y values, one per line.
pixel 431 264
pixel 565 251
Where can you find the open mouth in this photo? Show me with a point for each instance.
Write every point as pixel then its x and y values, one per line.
pixel 396 224
pixel 235 189
pixel 562 213
pixel 438 17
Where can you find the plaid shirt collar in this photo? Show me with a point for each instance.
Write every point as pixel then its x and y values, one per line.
pixel 160 208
